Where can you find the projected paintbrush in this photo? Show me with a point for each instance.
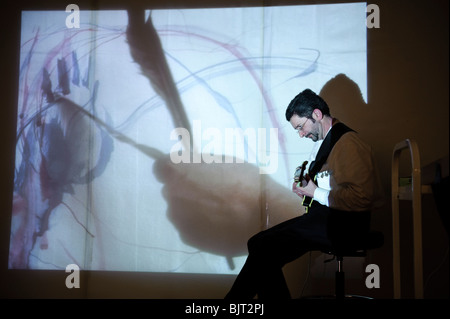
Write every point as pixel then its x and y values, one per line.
pixel 147 51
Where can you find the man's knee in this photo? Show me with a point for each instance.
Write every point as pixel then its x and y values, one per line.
pixel 262 243
pixel 255 242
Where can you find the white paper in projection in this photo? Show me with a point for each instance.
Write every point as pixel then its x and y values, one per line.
pixel 94 183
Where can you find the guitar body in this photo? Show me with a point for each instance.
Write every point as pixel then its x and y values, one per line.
pixel 307 201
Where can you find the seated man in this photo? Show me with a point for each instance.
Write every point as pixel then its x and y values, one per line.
pixel 342 177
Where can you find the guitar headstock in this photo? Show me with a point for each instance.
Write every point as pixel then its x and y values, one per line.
pixel 300 172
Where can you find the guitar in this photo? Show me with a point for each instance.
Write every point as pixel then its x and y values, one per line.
pixel 303 179
pixel 299 175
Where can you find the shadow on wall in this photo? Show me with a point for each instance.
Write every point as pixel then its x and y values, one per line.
pixel 217 207
pixel 347 104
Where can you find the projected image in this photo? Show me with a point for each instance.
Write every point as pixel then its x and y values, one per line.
pixel 156 140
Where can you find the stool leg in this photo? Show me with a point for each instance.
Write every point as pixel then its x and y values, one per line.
pixel 340 279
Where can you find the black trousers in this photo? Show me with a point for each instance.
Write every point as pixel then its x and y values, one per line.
pixel 271 249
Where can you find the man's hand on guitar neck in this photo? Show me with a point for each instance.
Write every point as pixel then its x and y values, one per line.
pixel 307 190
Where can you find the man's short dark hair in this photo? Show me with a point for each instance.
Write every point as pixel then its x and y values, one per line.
pixel 305 103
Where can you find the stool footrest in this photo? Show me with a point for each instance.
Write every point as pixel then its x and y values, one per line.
pixel 353 248
pixel 340 284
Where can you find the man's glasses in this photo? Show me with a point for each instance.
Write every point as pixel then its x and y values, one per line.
pixel 300 127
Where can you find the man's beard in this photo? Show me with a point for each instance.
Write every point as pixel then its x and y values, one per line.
pixel 313 136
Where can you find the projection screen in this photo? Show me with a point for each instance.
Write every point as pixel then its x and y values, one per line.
pixel 156 141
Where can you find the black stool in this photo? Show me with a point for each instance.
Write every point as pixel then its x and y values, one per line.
pixel 357 248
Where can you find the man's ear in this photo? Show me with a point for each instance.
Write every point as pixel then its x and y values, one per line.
pixel 317 115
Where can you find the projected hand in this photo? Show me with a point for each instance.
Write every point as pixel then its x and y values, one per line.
pixel 215 207
pixel 218 207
